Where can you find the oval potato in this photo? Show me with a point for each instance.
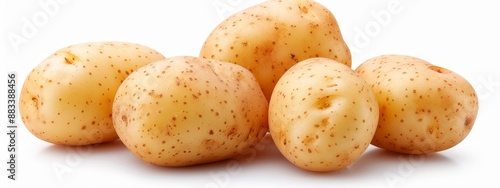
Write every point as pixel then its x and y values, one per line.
pixel 184 111
pixel 67 98
pixel 270 37
pixel 424 108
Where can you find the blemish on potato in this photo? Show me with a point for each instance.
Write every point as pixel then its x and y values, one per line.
pixel 468 123
pixel 34 101
pixel 439 69
pixel 70 58
pixel 324 102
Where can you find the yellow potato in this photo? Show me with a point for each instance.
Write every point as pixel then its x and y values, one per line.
pixel 67 98
pixel 271 37
pixel 322 115
pixel 184 111
pixel 423 108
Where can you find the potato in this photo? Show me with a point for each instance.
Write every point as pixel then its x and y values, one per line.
pixel 271 37
pixel 185 110
pixel 322 115
pixel 423 108
pixel 67 98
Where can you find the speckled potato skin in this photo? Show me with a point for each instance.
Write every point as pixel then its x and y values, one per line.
pixel 322 115
pixel 271 37
pixel 185 111
pixel 423 108
pixel 67 98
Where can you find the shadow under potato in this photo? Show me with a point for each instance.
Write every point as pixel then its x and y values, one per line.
pixel 377 160
pixel 106 147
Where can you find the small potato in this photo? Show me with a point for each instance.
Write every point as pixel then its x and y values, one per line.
pixel 67 99
pixel 322 115
pixel 423 108
pixel 184 111
pixel 272 36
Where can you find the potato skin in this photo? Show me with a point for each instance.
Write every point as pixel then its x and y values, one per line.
pixel 67 98
pixel 184 111
pixel 423 108
pixel 322 115
pixel 271 37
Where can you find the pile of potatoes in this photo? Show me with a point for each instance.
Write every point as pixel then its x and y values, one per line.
pixel 258 73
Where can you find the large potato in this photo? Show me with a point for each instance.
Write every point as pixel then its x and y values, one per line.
pixel 271 37
pixel 322 115
pixel 67 98
pixel 186 110
pixel 423 108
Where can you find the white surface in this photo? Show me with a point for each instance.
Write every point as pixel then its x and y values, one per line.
pixel 460 35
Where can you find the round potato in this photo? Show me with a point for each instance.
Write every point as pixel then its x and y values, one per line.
pixel 67 98
pixel 272 36
pixel 423 108
pixel 184 111
pixel 322 115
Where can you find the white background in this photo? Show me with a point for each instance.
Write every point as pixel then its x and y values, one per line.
pixel 460 35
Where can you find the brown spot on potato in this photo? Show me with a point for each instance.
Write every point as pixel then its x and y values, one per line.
pixel 70 58
pixel 209 144
pixel 35 102
pixel 68 61
pixel 324 102
pixel 304 9
pixel 308 140
pixel 232 131
pixel 439 69
pixel 468 123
